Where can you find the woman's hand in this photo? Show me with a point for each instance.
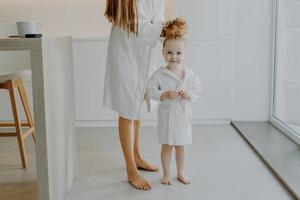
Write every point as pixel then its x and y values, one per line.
pixel 168 95
pixel 183 94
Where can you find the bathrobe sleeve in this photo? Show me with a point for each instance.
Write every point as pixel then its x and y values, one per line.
pixel 194 88
pixel 153 90
pixel 150 26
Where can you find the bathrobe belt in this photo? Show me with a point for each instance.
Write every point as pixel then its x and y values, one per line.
pixel 183 102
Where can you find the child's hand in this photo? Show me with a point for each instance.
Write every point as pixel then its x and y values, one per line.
pixel 183 94
pixel 168 95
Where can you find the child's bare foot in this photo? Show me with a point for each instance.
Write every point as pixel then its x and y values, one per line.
pixel 144 165
pixel 182 178
pixel 166 180
pixel 138 182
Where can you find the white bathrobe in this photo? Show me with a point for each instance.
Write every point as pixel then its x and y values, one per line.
pixel 174 115
pixel 131 61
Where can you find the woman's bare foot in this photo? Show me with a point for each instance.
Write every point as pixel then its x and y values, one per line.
pixel 144 165
pixel 183 179
pixel 137 181
pixel 166 180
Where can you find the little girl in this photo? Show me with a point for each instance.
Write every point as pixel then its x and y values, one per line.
pixel 175 87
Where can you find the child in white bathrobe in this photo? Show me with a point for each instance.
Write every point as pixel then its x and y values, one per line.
pixel 175 87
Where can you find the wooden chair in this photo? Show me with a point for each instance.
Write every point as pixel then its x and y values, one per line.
pixel 10 81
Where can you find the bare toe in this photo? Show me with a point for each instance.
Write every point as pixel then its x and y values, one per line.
pixel 138 182
pixel 148 185
pixel 183 179
pixel 166 181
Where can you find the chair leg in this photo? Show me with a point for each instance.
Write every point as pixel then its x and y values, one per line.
pixel 25 102
pixel 17 122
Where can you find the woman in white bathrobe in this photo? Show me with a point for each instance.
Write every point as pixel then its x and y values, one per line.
pixel 136 30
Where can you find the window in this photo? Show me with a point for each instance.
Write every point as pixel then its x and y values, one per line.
pixel 286 70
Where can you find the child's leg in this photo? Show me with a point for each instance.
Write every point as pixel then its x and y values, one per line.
pixel 165 161
pixel 179 154
pixel 140 162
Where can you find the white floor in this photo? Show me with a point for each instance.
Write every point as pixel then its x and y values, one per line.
pixel 219 162
pixel 279 152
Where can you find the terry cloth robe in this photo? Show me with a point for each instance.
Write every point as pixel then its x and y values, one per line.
pixel 174 115
pixel 131 61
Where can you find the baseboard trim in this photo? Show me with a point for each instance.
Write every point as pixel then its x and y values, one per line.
pixel 114 123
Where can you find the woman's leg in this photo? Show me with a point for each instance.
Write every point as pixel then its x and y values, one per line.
pixel 126 139
pixel 179 154
pixel 166 151
pixel 140 163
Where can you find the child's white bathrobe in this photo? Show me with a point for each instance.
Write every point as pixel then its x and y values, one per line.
pixel 174 115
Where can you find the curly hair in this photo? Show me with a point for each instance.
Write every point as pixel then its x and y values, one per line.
pixel 174 29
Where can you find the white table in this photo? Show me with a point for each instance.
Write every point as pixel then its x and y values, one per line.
pixel 54 114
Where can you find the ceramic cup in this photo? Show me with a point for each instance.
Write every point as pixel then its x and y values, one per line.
pixel 27 27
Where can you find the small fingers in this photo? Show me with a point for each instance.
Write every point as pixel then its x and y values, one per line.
pixel 174 94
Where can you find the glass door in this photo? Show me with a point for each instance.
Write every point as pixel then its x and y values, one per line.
pixel 285 109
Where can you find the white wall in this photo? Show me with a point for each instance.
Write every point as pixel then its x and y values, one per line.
pixel 252 59
pixel 229 47
pixel 79 18
pixel 209 54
